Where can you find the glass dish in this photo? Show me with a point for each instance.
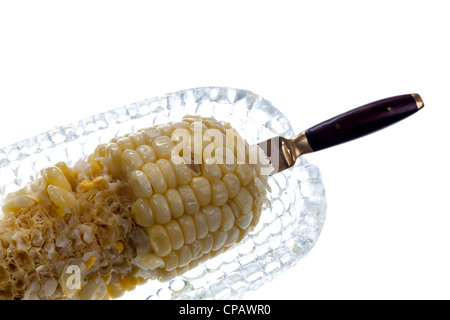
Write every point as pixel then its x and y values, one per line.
pixel 288 228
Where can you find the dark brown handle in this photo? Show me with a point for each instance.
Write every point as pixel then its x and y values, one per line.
pixel 361 121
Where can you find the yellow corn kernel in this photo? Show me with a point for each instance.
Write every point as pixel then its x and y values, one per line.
pixel 202 190
pixel 244 221
pixel 119 246
pixel 139 184
pixel 175 202
pixel 54 175
pixel 142 280
pixel 125 143
pixel 196 249
pixel 228 218
pixel 107 278
pixel 187 225
pixel 219 193
pixel 61 197
pixel 232 184
pixel 244 200
pixel 86 185
pixel 159 240
pixel 113 156
pixel 163 147
pixel 232 237
pixel 129 283
pixel 68 173
pixel 90 262
pixel 168 275
pixel 201 226
pixel 175 234
pixel 115 290
pixel 220 238
pixel 155 177
pixel 100 183
pixel 97 166
pixel 182 172
pixel 207 243
pixel 191 205
pixel 194 263
pixel 93 291
pixel 61 212
pixel 168 172
pixel 146 153
pixel 171 261
pixel 150 134
pixel 137 138
pixel 11 196
pixel 180 125
pixel 160 208
pixel 211 171
pixel 17 202
pixel 100 151
pixel 166 129
pixel 90 158
pixel 213 217
pixel 149 261
pixel 244 173
pixel 130 161
pixel 184 256
pixel 142 213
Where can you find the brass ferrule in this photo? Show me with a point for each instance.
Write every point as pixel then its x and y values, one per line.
pixel 300 145
pixel 419 101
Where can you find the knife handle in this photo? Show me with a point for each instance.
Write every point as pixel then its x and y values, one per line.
pixel 363 120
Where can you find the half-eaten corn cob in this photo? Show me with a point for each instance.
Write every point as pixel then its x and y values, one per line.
pixel 138 208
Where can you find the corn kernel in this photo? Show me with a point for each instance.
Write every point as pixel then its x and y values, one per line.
pixel 115 290
pixel 107 278
pixel 142 213
pixel 155 177
pixel 61 212
pixel 119 247
pixel 113 156
pixel 130 161
pixel 100 183
pixel 125 143
pixel 171 261
pixel 159 240
pixel 129 283
pixel 100 151
pixel 54 175
pixel 90 262
pixel 86 185
pixel 149 261
pixel 60 197
pixel 20 201
pixel 68 173
pixel 139 184
pixel 96 167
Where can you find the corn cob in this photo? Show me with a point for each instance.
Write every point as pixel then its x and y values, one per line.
pixel 137 208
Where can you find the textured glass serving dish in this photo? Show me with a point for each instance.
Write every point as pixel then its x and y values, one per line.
pixel 289 226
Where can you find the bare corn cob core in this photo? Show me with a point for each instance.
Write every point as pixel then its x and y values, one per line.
pixel 129 213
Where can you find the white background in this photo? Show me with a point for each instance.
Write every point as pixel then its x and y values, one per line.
pixel 387 234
